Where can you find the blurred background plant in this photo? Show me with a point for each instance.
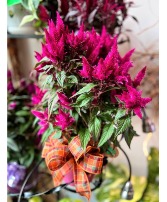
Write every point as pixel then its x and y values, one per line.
pixel 91 13
pixel 95 13
pixel 146 189
pixel 35 11
pixel 23 145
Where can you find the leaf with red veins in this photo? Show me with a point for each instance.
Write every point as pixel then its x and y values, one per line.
pixel 87 69
pixel 139 77
pixel 64 120
pixel 133 100
pixel 111 61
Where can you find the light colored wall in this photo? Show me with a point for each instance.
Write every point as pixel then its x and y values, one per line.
pixel 146 11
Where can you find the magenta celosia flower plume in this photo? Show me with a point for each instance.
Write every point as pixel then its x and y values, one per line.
pixel 64 120
pixel 133 100
pixel 139 77
pixel 86 71
pixel 64 101
pixel 44 120
pixel 37 97
pixel 43 13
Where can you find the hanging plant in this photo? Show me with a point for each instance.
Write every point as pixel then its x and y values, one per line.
pixel 89 101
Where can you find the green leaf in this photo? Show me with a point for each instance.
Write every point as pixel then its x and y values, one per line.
pixel 107 132
pixel 108 149
pixel 106 116
pixel 25 4
pixel 61 76
pixel 72 79
pixel 85 89
pixel 123 124
pixel 35 121
pixel 26 19
pixel 30 5
pixel 20 119
pixel 51 103
pixel 47 81
pixel 57 134
pixel 36 3
pixel 129 134
pixel 45 59
pixel 20 97
pixel 82 100
pixel 27 159
pixel 75 115
pixel 95 127
pixel 47 68
pixel 120 113
pixel 24 127
pixel 22 113
pixel 13 2
pixel 84 136
pixel 47 133
pixel 12 145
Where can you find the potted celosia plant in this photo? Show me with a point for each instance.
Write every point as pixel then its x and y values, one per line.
pixel 95 13
pixel 89 100
pixel 23 144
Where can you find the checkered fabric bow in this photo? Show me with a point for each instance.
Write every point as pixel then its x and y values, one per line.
pixel 62 157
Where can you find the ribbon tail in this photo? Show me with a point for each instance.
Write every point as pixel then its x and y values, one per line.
pixel 59 174
pixel 81 182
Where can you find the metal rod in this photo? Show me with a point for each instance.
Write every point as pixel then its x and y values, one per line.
pixel 129 164
pixel 27 178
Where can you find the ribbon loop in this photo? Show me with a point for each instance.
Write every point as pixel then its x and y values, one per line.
pixel 75 148
pixel 92 164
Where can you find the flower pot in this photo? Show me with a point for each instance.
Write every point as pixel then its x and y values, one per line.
pixel 16 175
pixel 15 16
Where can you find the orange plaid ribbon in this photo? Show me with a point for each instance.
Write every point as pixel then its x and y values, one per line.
pixel 62 157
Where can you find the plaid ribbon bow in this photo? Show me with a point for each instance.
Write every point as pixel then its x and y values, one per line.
pixel 62 157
